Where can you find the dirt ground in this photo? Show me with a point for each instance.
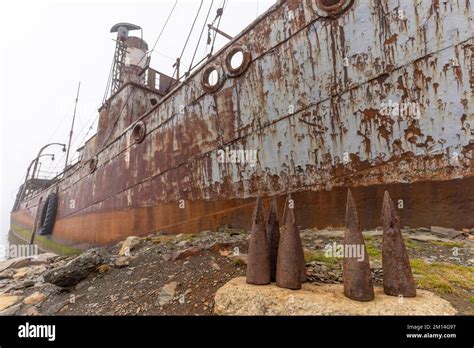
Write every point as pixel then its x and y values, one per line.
pixel 179 275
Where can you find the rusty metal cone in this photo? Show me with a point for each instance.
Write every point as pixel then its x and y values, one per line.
pixel 356 269
pixel 300 252
pixel 290 251
pixel 258 263
pixel 397 275
pixel 299 244
pixel 273 237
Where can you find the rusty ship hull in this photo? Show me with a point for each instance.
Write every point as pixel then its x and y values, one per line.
pixel 371 95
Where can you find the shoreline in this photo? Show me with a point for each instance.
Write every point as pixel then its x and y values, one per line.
pixel 164 274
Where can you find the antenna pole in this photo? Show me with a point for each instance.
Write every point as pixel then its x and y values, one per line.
pixel 72 126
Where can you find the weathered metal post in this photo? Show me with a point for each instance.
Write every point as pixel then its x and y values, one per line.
pixel 356 268
pixel 273 237
pixel 397 275
pixel 289 273
pixel 258 264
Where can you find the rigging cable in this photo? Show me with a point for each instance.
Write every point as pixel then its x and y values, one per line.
pixel 76 137
pixel 164 26
pixel 109 80
pixel 187 40
pixel 220 12
pixel 200 37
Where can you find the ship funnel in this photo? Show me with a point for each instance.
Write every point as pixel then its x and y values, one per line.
pixel 130 58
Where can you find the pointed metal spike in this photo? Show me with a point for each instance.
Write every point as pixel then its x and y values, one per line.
pixel 356 268
pixel 273 237
pixel 285 208
pixel 290 253
pixel 300 251
pixel 389 213
pixel 291 220
pixel 397 274
pixel 352 218
pixel 258 264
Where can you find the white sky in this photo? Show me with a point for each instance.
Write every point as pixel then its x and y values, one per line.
pixel 49 46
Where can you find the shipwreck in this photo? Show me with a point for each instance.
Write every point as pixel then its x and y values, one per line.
pixel 326 95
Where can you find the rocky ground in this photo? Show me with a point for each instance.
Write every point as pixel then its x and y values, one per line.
pixel 179 275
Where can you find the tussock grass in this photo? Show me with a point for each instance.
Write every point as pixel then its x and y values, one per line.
pixel 441 277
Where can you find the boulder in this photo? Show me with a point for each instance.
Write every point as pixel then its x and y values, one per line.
pixel 122 261
pixel 11 310
pixel 22 262
pixel 128 245
pixel 445 232
pixel 239 298
pixel 14 263
pixel 182 254
pixel 26 272
pixel 34 298
pixel 32 311
pixel 75 270
pixel 21 273
pixel 7 274
pixel 167 293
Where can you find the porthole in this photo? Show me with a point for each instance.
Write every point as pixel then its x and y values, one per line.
pixel 238 60
pixel 332 7
pixel 139 132
pixel 212 78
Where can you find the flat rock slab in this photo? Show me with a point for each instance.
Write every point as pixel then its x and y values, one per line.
pixel 239 298
pixel 8 300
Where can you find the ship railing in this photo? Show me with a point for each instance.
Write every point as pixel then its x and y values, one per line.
pixel 45 179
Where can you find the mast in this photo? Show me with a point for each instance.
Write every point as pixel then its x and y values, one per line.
pixel 72 125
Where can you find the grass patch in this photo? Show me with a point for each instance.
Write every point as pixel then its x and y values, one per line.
pixel 372 249
pixel 410 243
pixel 440 277
pixel 45 243
pixel 471 299
pixel 311 256
pixel 447 244
pixel 188 237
